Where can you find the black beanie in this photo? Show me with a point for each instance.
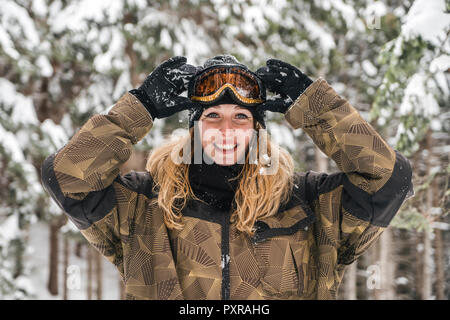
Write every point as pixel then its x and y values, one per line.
pixel 227 98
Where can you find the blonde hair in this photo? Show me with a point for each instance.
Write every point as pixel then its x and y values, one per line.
pixel 257 196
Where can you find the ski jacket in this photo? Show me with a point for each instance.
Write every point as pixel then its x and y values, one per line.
pixel 299 253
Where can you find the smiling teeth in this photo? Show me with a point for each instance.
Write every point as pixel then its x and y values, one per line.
pixel 226 146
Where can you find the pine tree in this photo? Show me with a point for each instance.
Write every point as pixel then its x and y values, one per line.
pixel 63 61
pixel 412 103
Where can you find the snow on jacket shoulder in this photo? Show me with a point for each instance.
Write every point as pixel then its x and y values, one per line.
pixel 300 253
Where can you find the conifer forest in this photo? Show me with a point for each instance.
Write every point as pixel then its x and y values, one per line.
pixel 63 61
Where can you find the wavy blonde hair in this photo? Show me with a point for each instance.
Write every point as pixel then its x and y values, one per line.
pixel 257 196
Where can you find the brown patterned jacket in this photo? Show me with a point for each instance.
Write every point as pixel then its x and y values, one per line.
pixel 300 253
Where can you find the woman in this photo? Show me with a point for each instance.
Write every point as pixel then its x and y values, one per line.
pixel 216 226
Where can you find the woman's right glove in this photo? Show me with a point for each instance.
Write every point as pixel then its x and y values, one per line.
pixel 160 92
pixel 286 81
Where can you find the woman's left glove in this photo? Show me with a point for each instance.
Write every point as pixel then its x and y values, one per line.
pixel 286 81
pixel 160 92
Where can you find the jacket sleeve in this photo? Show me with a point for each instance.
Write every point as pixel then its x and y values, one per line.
pixel 355 205
pixel 83 177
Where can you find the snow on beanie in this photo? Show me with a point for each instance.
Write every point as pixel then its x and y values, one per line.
pixel 196 112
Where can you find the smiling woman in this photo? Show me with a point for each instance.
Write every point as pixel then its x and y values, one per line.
pixel 219 228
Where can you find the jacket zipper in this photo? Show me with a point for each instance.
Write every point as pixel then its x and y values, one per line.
pixel 225 257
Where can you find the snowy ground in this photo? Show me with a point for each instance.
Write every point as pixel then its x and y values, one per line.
pixel 38 258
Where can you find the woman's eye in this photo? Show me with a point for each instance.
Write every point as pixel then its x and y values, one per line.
pixel 212 115
pixel 242 116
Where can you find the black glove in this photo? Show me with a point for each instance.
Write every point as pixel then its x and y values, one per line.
pixel 161 89
pixel 286 81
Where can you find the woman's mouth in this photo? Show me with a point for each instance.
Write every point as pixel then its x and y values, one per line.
pixel 226 148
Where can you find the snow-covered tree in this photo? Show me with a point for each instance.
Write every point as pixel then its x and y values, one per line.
pixel 63 61
pixel 412 104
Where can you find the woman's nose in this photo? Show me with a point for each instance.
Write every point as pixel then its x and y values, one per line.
pixel 227 131
pixel 226 124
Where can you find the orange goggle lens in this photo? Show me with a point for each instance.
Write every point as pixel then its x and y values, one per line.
pixel 211 84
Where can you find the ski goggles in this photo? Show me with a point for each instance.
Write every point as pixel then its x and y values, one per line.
pixel 212 83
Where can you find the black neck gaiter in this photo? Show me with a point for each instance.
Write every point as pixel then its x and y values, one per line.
pixel 210 183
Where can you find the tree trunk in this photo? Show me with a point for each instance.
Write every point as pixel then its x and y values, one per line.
pixel 427 266
pixel 427 250
pixel 136 162
pixel 78 247
pixel 386 291
pixel 99 275
pixel 321 161
pixel 361 282
pixel 52 282
pixel 350 282
pixel 438 244
pixel 371 269
pixel 419 266
pixel 89 272
pixel 66 265
pixel 131 53
pixel 439 262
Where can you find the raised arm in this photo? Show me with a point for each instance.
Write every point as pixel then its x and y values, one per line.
pixel 374 179
pixel 355 205
pixel 83 177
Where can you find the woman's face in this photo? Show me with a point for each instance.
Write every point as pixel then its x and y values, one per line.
pixel 226 131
